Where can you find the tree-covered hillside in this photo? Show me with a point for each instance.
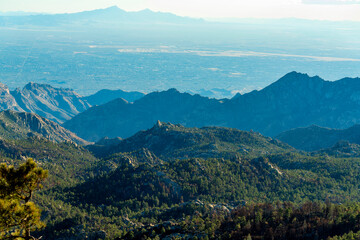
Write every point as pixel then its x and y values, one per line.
pixel 203 183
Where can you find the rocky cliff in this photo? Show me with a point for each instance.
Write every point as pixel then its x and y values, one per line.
pixel 19 125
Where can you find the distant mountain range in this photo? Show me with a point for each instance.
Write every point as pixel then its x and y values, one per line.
pixel 106 95
pixel 295 100
pixel 315 138
pixel 56 104
pixel 109 15
pixel 119 118
pixel 21 125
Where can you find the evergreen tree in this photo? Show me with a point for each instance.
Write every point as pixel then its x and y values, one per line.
pixel 18 214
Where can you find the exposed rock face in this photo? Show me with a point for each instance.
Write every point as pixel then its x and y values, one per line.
pixel 315 138
pixel 57 104
pixel 7 101
pixel 17 125
pixel 295 100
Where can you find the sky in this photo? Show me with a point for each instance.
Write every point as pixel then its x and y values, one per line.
pixel 308 9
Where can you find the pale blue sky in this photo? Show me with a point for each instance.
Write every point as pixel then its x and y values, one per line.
pixel 310 9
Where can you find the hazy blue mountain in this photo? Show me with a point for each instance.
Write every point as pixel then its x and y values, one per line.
pixel 21 125
pixel 106 95
pixel 123 119
pixel 217 93
pixel 315 138
pixel 295 100
pixel 109 15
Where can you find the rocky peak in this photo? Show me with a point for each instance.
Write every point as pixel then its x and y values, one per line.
pixel 164 126
pixel 298 80
pixel 7 101
pixel 158 124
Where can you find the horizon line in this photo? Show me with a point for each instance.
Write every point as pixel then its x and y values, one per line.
pixel 209 19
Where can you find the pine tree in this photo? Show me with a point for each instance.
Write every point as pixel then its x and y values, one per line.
pixel 18 214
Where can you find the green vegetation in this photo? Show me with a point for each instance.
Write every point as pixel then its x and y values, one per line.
pixel 138 190
pixel 263 221
pixel 19 215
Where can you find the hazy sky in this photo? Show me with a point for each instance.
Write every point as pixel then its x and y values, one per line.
pixel 311 9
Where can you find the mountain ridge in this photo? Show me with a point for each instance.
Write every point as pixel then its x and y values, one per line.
pixel 295 100
pixel 316 138
pixel 97 16
pixel 170 141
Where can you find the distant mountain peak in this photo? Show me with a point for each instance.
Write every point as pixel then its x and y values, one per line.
pixel 113 8
pixel 172 90
pixel 296 81
pixel 146 10
pixel 297 76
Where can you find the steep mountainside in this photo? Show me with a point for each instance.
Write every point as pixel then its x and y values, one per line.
pixel 295 100
pixel 21 125
pixel 106 95
pixel 315 138
pixel 168 141
pixel 57 104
